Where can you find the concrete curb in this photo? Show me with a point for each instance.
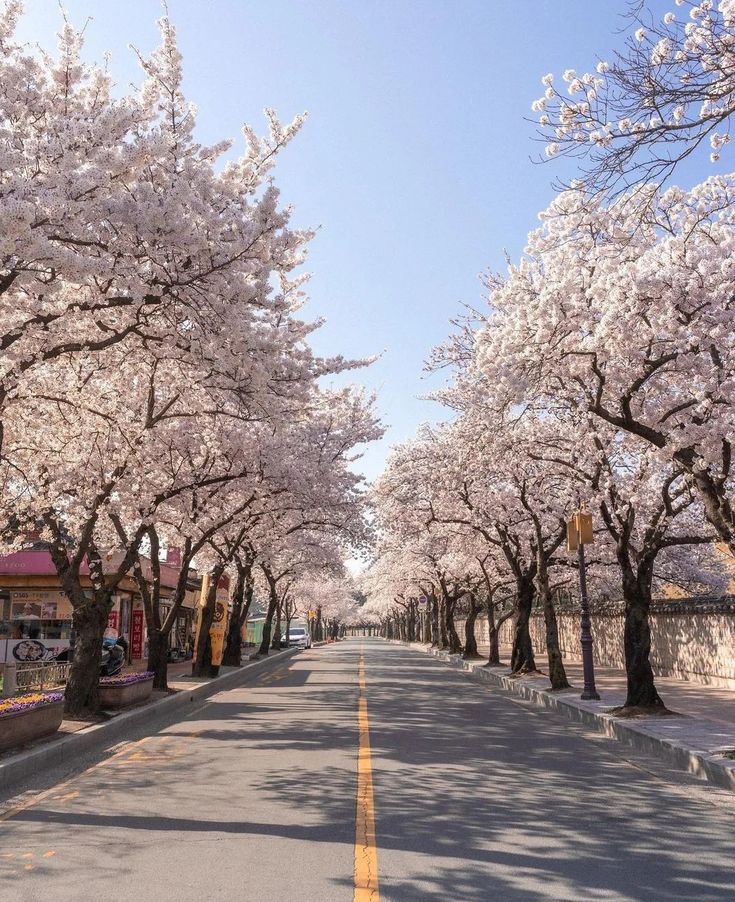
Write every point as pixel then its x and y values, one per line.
pixel 703 764
pixel 19 767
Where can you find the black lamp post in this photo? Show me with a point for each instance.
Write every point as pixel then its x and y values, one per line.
pixel 579 534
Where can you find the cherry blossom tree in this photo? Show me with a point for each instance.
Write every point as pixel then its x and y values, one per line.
pixel 645 505
pixel 119 237
pixel 150 349
pixel 670 89
pixel 632 325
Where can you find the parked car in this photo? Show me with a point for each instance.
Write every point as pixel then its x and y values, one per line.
pixel 299 636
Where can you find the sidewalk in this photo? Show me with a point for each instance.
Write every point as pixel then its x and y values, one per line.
pixel 692 742
pixel 175 669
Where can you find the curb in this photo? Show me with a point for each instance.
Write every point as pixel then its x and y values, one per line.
pixel 99 736
pixel 705 765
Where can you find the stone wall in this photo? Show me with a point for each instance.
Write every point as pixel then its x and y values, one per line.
pixel 693 644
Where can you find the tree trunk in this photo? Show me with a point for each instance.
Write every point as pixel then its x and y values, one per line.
pixel 642 691
pixel 493 630
pixel 470 640
pixel 232 656
pixel 493 657
pixel 158 657
pixel 90 622
pixel 318 625
pixel 266 640
pixel 522 659
pixel 557 673
pixel 443 634
pixel 202 663
pixel 455 646
pixel 434 614
pixel 243 598
pixel 159 665
pixel 713 492
pixel 411 622
pixel 276 643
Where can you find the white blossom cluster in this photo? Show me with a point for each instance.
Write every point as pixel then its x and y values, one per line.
pixel 157 384
pixel 675 81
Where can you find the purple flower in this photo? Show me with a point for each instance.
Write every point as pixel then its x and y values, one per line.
pixel 126 679
pixel 29 702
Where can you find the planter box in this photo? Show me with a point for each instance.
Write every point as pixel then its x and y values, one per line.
pixel 24 726
pixel 122 695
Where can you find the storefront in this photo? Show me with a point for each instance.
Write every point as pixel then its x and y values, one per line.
pixel 36 615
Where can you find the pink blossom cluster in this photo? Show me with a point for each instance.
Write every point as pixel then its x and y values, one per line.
pixel 158 387
pixel 670 88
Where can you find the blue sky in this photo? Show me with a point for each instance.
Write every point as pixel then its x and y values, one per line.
pixel 415 159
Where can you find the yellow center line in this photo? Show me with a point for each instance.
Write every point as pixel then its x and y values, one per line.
pixel 366 853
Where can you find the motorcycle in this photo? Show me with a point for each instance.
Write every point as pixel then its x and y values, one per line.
pixel 113 656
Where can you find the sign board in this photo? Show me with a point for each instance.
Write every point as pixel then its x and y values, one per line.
pixel 31 651
pixel 583 522
pixel 579 531
pixel 312 615
pixel 136 635
pixel 423 603
pixel 39 604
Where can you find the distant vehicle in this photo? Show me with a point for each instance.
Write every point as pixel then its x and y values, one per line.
pixel 299 636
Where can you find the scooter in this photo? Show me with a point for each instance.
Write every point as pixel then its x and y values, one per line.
pixel 113 657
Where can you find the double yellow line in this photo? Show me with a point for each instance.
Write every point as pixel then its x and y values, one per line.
pixel 366 855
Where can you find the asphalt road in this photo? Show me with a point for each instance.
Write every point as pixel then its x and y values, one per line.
pixel 477 796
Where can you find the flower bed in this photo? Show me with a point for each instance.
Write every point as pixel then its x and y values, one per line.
pixel 125 689
pixel 127 679
pixel 29 717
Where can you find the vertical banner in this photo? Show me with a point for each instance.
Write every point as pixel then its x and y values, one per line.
pixel 136 635
pixel 218 627
pixel 217 632
pixel 200 607
pixel 112 620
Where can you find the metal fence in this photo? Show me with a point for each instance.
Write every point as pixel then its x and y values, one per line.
pixel 44 675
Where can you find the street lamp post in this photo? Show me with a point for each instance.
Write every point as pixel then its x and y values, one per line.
pixel 579 534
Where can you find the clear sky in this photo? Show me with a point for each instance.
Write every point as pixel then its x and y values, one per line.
pixel 415 158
